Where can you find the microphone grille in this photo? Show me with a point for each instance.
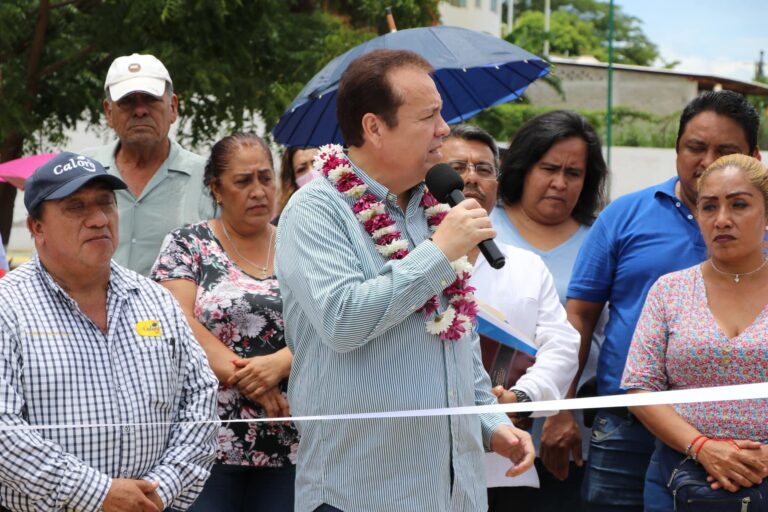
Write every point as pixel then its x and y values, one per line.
pixel 441 180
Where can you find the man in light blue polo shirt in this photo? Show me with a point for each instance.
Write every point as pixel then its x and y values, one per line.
pixel 165 181
pixel 637 239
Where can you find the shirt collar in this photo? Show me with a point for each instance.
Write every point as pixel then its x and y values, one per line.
pixel 380 191
pixel 121 282
pixel 667 188
pixel 171 162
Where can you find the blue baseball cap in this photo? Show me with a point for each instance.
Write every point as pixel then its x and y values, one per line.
pixel 64 175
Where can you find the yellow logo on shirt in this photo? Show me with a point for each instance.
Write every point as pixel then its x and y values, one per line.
pixel 148 328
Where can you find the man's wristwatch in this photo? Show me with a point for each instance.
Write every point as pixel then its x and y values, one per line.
pixel 522 397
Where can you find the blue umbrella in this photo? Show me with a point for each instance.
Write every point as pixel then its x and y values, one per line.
pixel 473 71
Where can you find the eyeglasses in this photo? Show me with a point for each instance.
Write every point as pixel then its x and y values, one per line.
pixel 484 171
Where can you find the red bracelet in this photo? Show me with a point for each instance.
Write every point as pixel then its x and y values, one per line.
pixel 696 457
pixel 692 444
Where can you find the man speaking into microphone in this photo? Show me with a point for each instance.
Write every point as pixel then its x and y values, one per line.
pixel 378 311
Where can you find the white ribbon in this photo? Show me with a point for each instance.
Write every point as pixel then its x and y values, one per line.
pixel 681 396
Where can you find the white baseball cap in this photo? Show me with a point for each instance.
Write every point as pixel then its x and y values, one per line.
pixel 136 73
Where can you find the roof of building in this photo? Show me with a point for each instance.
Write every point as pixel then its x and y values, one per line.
pixel 705 81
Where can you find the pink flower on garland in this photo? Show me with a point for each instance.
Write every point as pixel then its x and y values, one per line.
pixel 379 221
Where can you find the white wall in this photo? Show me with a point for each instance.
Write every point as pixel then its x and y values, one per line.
pixel 472 17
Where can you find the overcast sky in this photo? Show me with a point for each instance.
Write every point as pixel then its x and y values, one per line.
pixel 707 36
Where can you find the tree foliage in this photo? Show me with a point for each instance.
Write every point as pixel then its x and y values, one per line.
pixel 580 27
pixel 229 59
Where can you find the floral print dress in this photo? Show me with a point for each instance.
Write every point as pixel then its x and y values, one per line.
pixel 678 344
pixel 245 313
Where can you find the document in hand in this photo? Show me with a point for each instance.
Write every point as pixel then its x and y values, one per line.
pixel 507 352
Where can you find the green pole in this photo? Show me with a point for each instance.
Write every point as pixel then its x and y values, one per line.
pixel 609 110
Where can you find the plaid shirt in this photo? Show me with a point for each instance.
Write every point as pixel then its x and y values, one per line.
pixel 59 368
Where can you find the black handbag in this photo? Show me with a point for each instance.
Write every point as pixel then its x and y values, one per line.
pixel 687 481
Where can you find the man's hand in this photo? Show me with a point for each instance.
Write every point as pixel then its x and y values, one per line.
pixel 254 375
pixel 274 403
pixel 505 396
pixel 132 496
pixel 516 445
pixel 560 437
pixel 466 225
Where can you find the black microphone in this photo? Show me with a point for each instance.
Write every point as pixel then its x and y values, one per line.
pixel 446 185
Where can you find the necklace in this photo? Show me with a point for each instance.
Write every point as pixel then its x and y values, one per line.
pixel 264 269
pixel 737 277
pixel 459 317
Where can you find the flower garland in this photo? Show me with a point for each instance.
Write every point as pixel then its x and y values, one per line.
pixel 459 317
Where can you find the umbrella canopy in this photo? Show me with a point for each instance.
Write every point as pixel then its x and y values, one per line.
pixel 473 71
pixel 17 171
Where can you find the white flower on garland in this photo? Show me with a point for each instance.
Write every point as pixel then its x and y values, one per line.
pixel 461 266
pixel 356 192
pixel 470 297
pixel 438 208
pixel 441 322
pixel 383 231
pixel 375 209
pixel 392 247
pixel 335 174
pixel 466 322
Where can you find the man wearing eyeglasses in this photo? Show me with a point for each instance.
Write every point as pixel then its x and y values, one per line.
pixel 524 292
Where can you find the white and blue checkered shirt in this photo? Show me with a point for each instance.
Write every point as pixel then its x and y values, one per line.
pixel 59 368
pixel 359 345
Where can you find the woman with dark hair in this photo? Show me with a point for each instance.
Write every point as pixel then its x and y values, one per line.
pixel 295 172
pixel 222 273
pixel 551 187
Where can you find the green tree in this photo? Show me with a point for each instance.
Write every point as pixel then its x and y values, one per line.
pixel 229 59
pixel 631 45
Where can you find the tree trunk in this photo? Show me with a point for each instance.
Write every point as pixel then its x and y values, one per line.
pixel 10 148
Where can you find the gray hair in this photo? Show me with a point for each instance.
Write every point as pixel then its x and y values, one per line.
pixel 470 132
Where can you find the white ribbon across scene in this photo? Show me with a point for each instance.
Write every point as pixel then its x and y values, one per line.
pixel 713 394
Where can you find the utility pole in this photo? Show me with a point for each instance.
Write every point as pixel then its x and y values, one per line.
pixel 609 109
pixel 547 12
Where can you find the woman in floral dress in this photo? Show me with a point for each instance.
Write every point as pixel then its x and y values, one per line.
pixel 707 326
pixel 221 272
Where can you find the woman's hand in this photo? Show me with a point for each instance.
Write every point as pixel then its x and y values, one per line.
pixel 730 466
pixel 255 375
pixel 274 403
pixel 753 450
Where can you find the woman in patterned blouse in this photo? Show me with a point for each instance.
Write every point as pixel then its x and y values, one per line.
pixel 221 271
pixel 708 326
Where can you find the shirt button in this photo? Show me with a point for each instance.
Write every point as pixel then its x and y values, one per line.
pixel 133 240
pixel 118 388
pixel 124 473
pixel 443 283
pixel 414 308
pixel 126 429
pixel 690 217
pixel 677 204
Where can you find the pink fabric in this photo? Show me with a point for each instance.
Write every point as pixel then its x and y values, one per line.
pixel 678 345
pixel 17 171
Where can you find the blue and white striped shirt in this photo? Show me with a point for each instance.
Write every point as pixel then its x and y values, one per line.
pixel 59 368
pixel 360 346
